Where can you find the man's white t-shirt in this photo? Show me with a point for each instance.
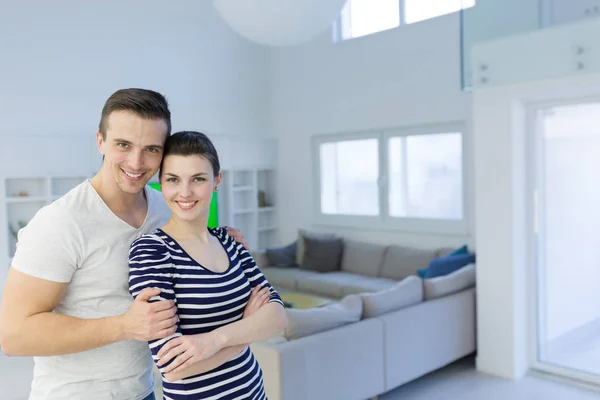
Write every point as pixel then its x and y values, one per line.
pixel 79 240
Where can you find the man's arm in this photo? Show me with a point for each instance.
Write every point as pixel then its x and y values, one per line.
pixel 29 327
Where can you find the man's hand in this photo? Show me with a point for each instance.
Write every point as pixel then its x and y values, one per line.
pixel 149 321
pixel 258 298
pixel 187 350
pixel 237 236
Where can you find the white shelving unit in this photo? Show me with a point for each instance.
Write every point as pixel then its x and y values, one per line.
pixel 21 198
pixel 247 202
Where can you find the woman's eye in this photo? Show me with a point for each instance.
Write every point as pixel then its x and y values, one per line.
pixel 199 179
pixel 171 180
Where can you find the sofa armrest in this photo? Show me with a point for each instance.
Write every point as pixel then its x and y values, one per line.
pixel 345 362
pixel 283 370
pixel 260 257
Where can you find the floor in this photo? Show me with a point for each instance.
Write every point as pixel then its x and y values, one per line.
pixel 457 381
pixel 579 351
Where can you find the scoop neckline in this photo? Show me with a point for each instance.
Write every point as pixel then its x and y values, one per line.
pixel 212 232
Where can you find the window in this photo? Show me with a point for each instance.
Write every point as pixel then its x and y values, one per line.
pixel 420 10
pixel 402 179
pixel 363 17
pixel 349 173
pixel 425 176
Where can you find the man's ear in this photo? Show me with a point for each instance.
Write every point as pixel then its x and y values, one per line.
pixel 99 142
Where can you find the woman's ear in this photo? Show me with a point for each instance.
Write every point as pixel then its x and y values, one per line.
pixel 218 180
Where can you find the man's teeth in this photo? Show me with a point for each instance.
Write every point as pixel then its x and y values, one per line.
pixel 132 175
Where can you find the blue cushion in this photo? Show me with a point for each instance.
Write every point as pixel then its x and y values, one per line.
pixel 446 265
pixel 460 250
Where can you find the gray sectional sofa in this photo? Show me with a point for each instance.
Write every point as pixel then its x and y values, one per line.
pixel 385 326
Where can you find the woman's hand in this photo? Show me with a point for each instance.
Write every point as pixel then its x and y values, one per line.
pixel 258 298
pixel 190 349
pixel 187 350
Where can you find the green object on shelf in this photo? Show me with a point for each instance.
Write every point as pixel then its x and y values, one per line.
pixel 213 214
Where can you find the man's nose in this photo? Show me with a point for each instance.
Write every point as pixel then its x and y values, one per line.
pixel 136 160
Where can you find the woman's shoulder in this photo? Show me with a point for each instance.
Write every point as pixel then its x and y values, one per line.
pixel 220 233
pixel 156 238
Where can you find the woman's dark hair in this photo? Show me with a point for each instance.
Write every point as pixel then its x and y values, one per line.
pixel 191 143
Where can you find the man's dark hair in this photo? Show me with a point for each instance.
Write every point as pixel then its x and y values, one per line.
pixel 191 143
pixel 144 103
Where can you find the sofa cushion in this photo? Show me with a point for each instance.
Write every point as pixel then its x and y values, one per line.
pixel 446 265
pixel 362 258
pixel 282 256
pixel 322 254
pixel 285 277
pixel 456 281
pixel 363 284
pixel 300 244
pixel 405 293
pixel 400 262
pixel 314 320
pixel 329 284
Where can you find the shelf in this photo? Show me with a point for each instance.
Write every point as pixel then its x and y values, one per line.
pixel 19 210
pixel 267 229
pixel 244 211
pixel 243 188
pixel 26 199
pixel 266 209
pixel 34 187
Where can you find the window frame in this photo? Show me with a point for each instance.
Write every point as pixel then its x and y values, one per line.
pixel 337 23
pixel 384 221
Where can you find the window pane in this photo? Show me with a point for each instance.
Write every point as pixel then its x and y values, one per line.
pixel 426 176
pixel 349 174
pixel 419 10
pixel 363 17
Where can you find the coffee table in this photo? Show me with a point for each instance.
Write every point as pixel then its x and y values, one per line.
pixel 302 301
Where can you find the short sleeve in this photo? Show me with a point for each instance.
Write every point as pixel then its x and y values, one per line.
pixel 150 266
pixel 49 246
pixel 251 270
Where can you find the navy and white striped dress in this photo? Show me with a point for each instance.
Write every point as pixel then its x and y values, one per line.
pixel 205 300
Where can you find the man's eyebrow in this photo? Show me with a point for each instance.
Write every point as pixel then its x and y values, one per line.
pixel 121 141
pixel 155 146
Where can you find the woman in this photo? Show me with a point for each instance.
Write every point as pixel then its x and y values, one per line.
pixel 224 302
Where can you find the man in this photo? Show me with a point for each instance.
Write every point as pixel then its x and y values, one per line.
pixel 66 299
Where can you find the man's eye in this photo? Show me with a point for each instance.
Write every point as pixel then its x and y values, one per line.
pixel 153 150
pixel 123 145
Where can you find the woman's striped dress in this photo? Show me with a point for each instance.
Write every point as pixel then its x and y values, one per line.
pixel 205 300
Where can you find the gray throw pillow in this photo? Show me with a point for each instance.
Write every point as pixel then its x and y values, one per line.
pixel 283 256
pixel 322 254
pixel 300 249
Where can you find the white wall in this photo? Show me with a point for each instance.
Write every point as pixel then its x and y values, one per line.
pixel 505 270
pixel 62 59
pixel 401 77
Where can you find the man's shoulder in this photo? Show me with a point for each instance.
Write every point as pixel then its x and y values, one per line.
pixel 80 198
